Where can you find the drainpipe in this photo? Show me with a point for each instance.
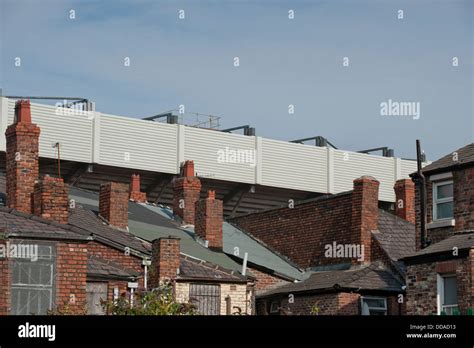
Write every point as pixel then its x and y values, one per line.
pixel 422 185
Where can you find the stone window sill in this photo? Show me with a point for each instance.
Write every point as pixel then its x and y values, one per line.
pixel 441 223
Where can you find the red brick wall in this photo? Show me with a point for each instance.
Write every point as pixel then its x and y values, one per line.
pixel 266 281
pixel 22 144
pixel 464 199
pixel 302 232
pixel 165 260
pixel 421 280
pixel 209 219
pixel 113 203
pixel 51 199
pixel 5 279
pixel 71 274
pixel 186 192
pixel 341 303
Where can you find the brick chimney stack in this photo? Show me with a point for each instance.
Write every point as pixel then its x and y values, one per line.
pixel 135 194
pixel 51 199
pixel 209 219
pixel 22 157
pixel 165 260
pixel 113 204
pixel 365 212
pixel 187 190
pixel 405 199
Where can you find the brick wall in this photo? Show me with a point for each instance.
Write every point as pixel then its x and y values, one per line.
pixel 209 219
pixel 51 199
pixel 71 274
pixel 464 199
pixel 266 281
pixel 302 232
pixel 421 280
pixel 327 304
pixel 22 146
pixel 337 303
pixel 5 280
pixel 113 203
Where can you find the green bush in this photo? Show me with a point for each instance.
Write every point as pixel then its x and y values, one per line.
pixel 159 301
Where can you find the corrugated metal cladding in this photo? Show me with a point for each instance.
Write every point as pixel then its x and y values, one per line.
pixel 220 155
pixel 408 167
pixel 294 166
pixel 351 165
pixel 127 142
pixel 73 132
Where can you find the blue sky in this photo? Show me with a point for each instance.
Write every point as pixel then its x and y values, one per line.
pixel 282 62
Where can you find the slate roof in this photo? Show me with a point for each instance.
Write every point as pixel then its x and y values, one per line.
pixel 149 222
pixel 463 240
pixel 395 235
pixel 100 268
pixel 90 223
pixel 371 277
pixel 21 225
pixel 465 156
pixel 192 269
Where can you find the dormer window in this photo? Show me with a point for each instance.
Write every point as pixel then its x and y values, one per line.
pixel 443 200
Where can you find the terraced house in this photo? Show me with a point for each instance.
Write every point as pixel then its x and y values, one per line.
pixel 93 246
pixel 440 275
pixel 303 230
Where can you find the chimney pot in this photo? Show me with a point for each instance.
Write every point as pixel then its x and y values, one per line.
pixel 186 192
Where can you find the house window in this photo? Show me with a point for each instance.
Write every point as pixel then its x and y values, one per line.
pixel 96 292
pixel 206 297
pixel 374 306
pixel 447 294
pixel 33 282
pixel 442 200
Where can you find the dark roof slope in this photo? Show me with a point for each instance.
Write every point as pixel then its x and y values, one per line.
pixel 21 225
pixel 464 240
pixel 372 277
pixel 88 221
pixel 465 156
pixel 100 268
pixel 192 269
pixel 395 235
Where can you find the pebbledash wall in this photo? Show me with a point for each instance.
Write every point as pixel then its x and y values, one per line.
pixel 126 142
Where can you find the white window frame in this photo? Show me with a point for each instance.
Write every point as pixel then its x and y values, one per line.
pixel 437 201
pixel 440 293
pixel 385 308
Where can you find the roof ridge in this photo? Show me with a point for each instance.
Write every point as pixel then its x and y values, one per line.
pixel 213 266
